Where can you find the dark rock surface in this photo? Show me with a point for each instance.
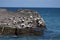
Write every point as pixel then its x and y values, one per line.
pixel 23 22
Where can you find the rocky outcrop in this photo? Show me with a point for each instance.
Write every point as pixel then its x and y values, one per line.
pixel 23 22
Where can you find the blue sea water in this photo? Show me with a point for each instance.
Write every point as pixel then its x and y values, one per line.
pixel 51 17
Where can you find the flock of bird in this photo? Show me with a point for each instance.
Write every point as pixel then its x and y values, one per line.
pixel 20 22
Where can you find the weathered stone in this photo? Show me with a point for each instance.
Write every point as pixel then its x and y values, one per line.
pixel 23 22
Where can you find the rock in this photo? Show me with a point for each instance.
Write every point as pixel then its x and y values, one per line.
pixel 23 22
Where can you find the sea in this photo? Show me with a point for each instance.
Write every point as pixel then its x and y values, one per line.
pixel 51 17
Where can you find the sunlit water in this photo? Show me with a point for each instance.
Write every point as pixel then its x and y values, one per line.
pixel 51 17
